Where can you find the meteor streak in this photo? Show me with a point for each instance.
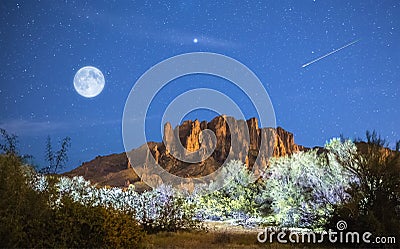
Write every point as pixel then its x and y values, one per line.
pixel 334 51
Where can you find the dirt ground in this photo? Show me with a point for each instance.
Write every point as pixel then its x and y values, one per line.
pixel 219 235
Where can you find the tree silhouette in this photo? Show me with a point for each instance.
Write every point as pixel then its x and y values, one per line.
pixel 375 202
pixel 56 159
pixel 10 142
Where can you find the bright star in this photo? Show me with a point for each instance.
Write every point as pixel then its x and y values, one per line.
pixel 195 40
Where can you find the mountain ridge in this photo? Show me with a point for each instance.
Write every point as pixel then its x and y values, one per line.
pixel 191 140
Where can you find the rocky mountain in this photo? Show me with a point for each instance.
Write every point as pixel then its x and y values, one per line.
pixel 192 149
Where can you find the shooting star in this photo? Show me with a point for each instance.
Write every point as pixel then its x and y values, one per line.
pixel 334 51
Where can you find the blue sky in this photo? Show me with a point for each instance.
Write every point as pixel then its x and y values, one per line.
pixel 44 43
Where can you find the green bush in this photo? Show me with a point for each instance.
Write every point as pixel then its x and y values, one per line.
pixel 24 214
pixel 303 188
pixel 122 231
pixel 81 226
pixel 238 197
pixel 374 205
pixel 165 209
pixel 27 219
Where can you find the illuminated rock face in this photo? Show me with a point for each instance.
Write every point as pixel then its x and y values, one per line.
pixel 231 139
pixel 276 142
pixel 195 141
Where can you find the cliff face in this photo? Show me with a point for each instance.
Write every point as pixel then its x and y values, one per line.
pixel 232 139
pixel 195 149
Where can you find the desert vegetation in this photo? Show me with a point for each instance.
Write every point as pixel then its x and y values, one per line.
pixel 357 182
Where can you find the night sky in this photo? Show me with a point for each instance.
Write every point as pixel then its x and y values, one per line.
pixel 44 43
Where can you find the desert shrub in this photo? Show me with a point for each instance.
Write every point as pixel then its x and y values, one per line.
pixel 303 188
pixel 79 225
pixel 122 230
pixel 27 219
pixel 374 205
pixel 9 146
pixel 23 212
pixel 8 143
pixel 237 199
pixel 56 159
pixel 165 209
pixel 162 209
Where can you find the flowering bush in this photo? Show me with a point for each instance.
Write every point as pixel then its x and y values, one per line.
pixel 302 189
pixel 166 209
pixel 160 209
pixel 28 221
pixel 236 200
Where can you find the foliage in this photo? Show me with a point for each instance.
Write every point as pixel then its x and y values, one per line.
pixel 375 202
pixel 359 184
pixel 56 159
pixel 27 219
pixel 21 208
pixel 122 231
pixel 9 146
pixel 162 209
pixel 237 199
pixel 302 189
pixel 83 226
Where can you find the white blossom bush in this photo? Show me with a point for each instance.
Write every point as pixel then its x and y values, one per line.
pixel 160 209
pixel 40 182
pixel 297 191
pixel 303 188
pixel 236 200
pixel 166 209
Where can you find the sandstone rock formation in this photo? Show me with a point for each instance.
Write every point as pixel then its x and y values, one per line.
pixel 193 149
pixel 226 139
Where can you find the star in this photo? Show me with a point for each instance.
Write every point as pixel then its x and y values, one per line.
pixel 195 40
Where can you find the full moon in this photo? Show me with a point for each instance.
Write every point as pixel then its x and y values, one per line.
pixel 89 81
